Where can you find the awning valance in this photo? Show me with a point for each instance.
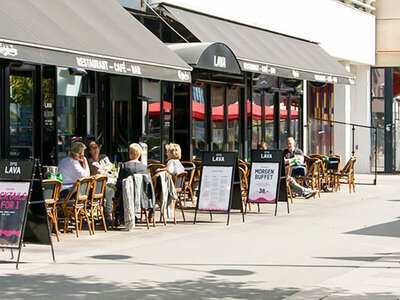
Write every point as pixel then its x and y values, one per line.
pixel 209 56
pixel 91 34
pixel 262 51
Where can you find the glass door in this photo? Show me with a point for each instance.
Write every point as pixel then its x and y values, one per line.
pixel 19 142
pixel 217 117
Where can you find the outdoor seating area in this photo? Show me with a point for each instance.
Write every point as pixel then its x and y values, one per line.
pixel 83 207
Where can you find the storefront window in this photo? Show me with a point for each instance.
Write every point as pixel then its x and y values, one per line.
pixel 66 124
pixel 378 82
pixel 233 119
pixel 256 119
pixel 153 139
pixel 198 119
pixel 21 114
pixel 49 126
pixel 269 119
pixel 294 117
pixel 283 122
pixel 217 105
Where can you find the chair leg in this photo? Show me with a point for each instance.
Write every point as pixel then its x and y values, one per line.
pixel 174 204
pixel 56 225
pixel 88 221
pixel 104 219
pixel 146 217
pixel 183 213
pixel 77 223
pixel 191 194
pixel 93 222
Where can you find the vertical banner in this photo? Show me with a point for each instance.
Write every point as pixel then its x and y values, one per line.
pixel 13 205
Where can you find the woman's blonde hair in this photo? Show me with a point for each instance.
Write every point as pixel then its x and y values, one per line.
pixel 135 150
pixel 76 149
pixel 174 150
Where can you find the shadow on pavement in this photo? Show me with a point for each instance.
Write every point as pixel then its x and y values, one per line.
pixel 391 229
pixel 62 287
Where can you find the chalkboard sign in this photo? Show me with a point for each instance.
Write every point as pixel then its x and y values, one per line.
pixel 23 214
pixel 218 175
pixel 267 183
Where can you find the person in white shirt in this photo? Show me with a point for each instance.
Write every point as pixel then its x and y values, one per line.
pixel 73 167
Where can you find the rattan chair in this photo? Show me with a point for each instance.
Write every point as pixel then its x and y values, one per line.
pixel 74 205
pixel 51 193
pixel 288 173
pixel 96 202
pixel 179 182
pixel 152 168
pixel 347 175
pixel 190 168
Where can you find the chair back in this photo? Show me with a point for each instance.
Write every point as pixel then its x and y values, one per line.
pixel 153 167
pixel 98 188
pixel 51 192
pixel 179 181
pixel 82 188
pixel 349 167
pixel 314 155
pixel 190 168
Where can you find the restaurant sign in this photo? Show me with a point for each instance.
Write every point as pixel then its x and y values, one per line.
pixel 76 59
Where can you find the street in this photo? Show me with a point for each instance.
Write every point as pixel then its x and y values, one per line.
pixel 339 246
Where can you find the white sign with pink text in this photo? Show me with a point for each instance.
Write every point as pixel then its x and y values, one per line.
pixel 263 182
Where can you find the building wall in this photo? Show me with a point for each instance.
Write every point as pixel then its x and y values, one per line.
pixel 387 33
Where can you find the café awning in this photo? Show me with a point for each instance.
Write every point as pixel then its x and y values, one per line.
pixel 209 56
pixel 91 34
pixel 263 51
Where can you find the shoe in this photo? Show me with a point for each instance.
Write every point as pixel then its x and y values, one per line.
pixel 310 194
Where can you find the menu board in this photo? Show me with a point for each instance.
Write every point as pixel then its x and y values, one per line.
pixel 13 203
pixel 216 182
pixel 264 182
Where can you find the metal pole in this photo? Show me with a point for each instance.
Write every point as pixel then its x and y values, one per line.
pixel 376 156
pixel 330 138
pixel 353 130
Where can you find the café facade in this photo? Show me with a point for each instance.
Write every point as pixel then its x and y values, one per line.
pixel 80 71
pixel 248 84
pixel 74 71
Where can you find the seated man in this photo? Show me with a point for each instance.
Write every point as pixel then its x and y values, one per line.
pixel 73 167
pixel 294 154
pixel 291 154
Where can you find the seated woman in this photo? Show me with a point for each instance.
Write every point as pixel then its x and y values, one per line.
pixel 131 167
pixel 73 167
pixel 174 154
pixel 100 164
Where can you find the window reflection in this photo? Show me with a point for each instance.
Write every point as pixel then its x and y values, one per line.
pixel 255 111
pixel 21 114
pixel 199 125
pixel 233 119
pixel 217 127
pixel 153 139
pixel 283 123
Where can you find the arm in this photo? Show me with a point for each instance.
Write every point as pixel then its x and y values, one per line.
pixel 80 171
pixel 169 169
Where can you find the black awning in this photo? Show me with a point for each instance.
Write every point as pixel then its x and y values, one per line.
pixel 262 51
pixel 209 56
pixel 91 34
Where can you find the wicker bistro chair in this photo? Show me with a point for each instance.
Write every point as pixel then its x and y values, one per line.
pixel 179 182
pixel 312 177
pixel 288 173
pixel 157 191
pixel 74 205
pixel 95 205
pixel 346 174
pixel 244 185
pixel 51 193
pixel 153 167
pixel 188 189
